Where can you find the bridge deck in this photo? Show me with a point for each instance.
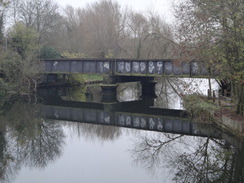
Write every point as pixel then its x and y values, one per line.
pixel 126 67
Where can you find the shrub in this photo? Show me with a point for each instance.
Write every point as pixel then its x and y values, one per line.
pixel 198 107
pixel 49 53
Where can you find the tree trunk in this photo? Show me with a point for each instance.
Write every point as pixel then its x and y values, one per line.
pixel 138 54
pixel 210 87
pixel 2 145
pixel 240 104
pixel 1 28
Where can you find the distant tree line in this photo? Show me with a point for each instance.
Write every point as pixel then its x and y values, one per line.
pixel 101 29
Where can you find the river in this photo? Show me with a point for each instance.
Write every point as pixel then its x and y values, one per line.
pixel 68 135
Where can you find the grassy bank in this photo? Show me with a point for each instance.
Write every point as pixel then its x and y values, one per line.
pixel 199 107
pixel 84 78
pixel 221 112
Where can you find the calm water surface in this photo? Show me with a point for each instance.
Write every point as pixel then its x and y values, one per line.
pixel 92 159
pixel 45 143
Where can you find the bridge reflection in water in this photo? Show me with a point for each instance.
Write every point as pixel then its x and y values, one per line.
pixel 129 115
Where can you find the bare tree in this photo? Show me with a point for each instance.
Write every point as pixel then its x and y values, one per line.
pixel 149 36
pixel 73 35
pixel 104 29
pixel 96 29
pixel 138 28
pixel 103 24
pixel 3 5
pixel 43 16
pixel 160 37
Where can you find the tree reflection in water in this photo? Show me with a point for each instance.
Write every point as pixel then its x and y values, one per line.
pixel 26 139
pixel 129 91
pixel 94 132
pixel 189 159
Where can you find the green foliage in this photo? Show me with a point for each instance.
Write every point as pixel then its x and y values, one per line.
pixel 49 53
pixel 18 64
pixel 23 40
pixel 198 107
pixel 3 87
pixel 92 77
pixel 76 78
pixel 18 75
pixel 82 78
pixel 109 54
pixel 72 55
pixel 77 94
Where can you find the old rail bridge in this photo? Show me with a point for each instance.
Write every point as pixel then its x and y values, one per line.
pixel 127 70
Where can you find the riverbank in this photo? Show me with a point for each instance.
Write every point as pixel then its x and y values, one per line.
pixel 219 111
pixel 227 119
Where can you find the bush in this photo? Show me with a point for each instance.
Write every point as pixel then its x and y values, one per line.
pixel 76 78
pixel 72 55
pixel 49 53
pixel 18 75
pixel 198 107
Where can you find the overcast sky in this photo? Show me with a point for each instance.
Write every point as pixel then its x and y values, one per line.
pixel 161 6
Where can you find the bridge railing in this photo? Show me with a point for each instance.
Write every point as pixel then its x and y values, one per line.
pixel 77 66
pixel 126 67
pixel 160 67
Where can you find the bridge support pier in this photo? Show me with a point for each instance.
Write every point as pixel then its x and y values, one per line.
pixel 148 89
pixel 109 88
pixel 109 93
